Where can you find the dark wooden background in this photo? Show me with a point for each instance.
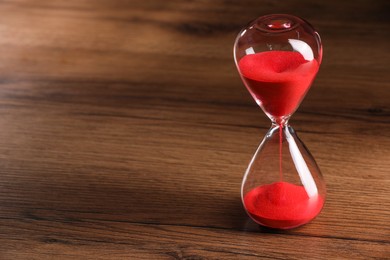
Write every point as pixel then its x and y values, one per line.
pixel 125 131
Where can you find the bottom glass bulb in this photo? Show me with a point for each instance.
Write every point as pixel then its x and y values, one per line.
pixel 283 187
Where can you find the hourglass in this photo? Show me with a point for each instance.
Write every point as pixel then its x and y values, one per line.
pixel 278 57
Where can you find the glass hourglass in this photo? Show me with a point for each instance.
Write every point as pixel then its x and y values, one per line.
pixel 278 57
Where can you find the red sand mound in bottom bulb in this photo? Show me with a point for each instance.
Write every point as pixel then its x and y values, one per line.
pixel 282 205
pixel 278 79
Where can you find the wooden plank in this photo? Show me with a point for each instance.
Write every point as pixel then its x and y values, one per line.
pixel 105 239
pixel 125 131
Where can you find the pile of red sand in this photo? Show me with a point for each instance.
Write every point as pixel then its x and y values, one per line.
pixel 278 79
pixel 282 205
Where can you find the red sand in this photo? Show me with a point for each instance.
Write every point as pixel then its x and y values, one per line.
pixel 278 79
pixel 282 205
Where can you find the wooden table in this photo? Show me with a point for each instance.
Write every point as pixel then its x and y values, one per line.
pixel 125 131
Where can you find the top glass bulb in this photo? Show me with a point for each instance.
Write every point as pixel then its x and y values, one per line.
pixel 278 57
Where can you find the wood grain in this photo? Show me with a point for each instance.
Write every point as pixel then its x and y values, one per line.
pixel 125 131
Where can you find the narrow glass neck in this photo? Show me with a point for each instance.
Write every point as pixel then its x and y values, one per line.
pixel 280 121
